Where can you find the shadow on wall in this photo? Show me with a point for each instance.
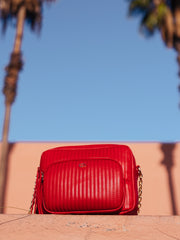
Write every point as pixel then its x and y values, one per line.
pixel 168 162
pixel 2 207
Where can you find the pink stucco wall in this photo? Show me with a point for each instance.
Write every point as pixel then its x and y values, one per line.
pixel 160 164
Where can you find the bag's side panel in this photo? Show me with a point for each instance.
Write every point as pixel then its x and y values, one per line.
pixel 128 163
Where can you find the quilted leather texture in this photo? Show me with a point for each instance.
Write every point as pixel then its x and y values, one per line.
pixel 83 185
pixel 87 179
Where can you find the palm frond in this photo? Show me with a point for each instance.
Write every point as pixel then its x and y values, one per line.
pixel 138 7
pixel 9 10
pixel 149 24
pixel 151 12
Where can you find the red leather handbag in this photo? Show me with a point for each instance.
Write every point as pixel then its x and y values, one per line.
pixel 87 179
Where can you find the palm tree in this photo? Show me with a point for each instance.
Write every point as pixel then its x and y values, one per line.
pixel 162 16
pixel 21 10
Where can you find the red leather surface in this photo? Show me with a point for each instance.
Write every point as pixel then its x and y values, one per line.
pixel 83 186
pixel 99 178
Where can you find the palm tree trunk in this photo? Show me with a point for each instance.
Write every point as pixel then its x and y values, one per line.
pixel 177 21
pixel 19 29
pixel 4 154
pixel 167 29
pixel 10 92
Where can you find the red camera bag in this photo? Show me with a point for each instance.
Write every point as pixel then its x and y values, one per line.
pixel 87 179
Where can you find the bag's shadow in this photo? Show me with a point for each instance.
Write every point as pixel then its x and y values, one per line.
pixel 168 162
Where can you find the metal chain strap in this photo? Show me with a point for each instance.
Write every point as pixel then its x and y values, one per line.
pixel 140 184
pixel 34 194
pixel 32 202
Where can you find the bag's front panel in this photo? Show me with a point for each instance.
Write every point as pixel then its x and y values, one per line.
pixel 120 153
pixel 83 186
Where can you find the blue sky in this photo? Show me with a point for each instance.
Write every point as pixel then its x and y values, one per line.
pixel 91 76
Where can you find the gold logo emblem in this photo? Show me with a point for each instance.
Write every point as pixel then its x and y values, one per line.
pixel 82 165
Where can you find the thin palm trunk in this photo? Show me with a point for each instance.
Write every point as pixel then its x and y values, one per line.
pixel 13 80
pixel 4 154
pixel 177 21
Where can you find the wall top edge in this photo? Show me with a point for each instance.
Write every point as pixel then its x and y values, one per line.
pixel 93 142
